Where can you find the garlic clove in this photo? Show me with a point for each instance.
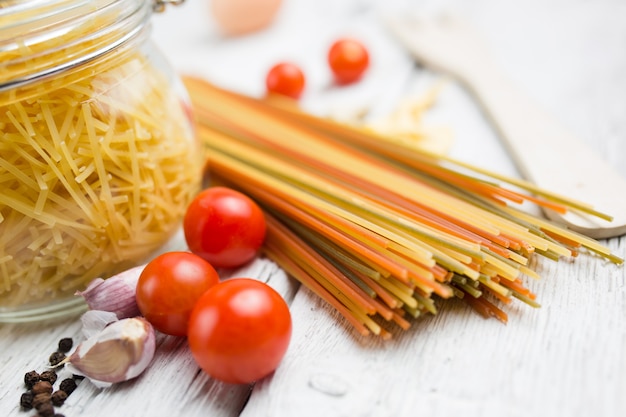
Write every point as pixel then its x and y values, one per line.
pixel 121 351
pixel 94 321
pixel 115 294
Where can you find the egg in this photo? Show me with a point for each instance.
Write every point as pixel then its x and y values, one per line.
pixel 238 17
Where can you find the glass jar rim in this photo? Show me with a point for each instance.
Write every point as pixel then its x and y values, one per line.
pixel 40 38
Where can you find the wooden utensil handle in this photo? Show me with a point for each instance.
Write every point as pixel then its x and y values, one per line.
pixel 550 156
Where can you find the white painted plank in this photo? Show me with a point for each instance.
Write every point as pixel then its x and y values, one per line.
pixel 566 358
pixel 172 382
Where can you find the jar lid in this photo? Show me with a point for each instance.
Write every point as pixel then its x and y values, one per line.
pixel 39 38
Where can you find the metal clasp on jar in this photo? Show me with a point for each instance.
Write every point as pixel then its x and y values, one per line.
pixel 159 5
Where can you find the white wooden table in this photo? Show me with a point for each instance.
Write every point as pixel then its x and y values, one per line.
pixel 567 358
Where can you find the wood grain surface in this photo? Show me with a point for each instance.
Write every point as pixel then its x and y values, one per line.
pixel 567 358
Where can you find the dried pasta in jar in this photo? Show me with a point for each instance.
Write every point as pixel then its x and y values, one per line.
pixel 97 160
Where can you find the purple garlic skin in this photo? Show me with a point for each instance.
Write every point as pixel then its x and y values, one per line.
pixel 115 294
pixel 121 351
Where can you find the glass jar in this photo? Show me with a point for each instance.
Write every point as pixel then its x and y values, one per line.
pixel 98 160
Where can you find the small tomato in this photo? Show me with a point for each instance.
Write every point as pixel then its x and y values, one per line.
pixel 348 59
pixel 224 227
pixel 239 330
pixel 169 287
pixel 286 79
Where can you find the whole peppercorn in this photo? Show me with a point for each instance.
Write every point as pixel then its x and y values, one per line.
pixel 46 410
pixel 58 415
pixel 68 385
pixel 49 376
pixel 26 400
pixel 65 344
pixel 41 400
pixel 58 398
pixel 30 378
pixel 56 358
pixel 42 387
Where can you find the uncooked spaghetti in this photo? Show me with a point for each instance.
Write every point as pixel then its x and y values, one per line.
pixel 376 226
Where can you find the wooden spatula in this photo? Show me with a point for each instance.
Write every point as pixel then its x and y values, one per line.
pixel 545 153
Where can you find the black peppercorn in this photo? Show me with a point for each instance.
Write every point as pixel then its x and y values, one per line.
pixel 41 400
pixel 46 410
pixel 58 415
pixel 58 398
pixel 30 378
pixel 26 400
pixel 49 376
pixel 42 387
pixel 65 344
pixel 68 385
pixel 56 358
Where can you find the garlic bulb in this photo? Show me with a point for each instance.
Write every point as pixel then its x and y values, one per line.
pixel 119 352
pixel 115 294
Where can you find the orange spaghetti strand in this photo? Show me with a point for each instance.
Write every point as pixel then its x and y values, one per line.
pixel 502 298
pixel 485 308
pixel 387 298
pixel 517 287
pixel 320 265
pixel 301 275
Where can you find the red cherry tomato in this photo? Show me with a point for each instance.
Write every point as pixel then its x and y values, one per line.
pixel 239 330
pixel 224 226
pixel 348 59
pixel 169 287
pixel 286 79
